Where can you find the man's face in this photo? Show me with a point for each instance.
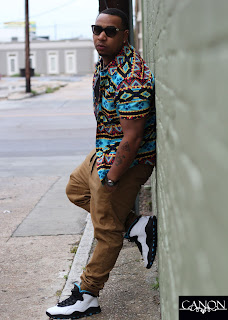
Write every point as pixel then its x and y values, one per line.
pixel 108 47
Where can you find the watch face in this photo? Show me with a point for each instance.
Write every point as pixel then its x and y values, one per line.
pixel 110 183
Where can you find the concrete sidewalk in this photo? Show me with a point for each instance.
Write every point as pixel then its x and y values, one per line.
pixel 14 89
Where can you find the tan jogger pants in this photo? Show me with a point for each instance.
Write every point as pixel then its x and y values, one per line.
pixel 111 214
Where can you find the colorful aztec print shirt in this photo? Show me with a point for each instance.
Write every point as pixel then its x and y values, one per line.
pixel 123 89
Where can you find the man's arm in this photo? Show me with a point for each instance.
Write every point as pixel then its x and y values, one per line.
pixel 133 131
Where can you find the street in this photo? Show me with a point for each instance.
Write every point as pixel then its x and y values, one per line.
pixel 57 124
pixel 42 139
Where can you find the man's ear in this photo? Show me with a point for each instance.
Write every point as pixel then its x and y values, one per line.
pixel 126 34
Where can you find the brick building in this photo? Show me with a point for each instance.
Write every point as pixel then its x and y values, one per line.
pixel 185 45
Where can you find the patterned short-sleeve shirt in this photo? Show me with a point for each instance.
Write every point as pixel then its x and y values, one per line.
pixel 123 89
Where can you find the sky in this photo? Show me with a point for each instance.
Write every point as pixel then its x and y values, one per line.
pixel 58 19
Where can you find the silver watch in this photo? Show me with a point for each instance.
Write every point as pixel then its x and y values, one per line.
pixel 110 182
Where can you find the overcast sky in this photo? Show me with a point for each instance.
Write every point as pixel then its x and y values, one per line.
pixel 56 18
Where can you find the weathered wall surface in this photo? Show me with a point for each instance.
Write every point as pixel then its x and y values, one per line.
pixel 186 45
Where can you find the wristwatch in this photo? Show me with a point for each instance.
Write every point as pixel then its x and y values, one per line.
pixel 110 182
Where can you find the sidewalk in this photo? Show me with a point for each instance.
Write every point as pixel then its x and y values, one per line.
pixel 14 88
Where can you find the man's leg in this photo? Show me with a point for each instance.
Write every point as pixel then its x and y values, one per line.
pixel 78 190
pixel 81 303
pixel 109 212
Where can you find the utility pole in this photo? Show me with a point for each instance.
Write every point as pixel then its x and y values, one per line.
pixel 27 51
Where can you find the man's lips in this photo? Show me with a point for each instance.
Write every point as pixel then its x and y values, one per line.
pixel 100 46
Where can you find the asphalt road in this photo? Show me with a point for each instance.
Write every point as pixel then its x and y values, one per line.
pixel 56 125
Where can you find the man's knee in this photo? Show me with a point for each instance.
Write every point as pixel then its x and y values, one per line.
pixel 69 190
pixel 78 195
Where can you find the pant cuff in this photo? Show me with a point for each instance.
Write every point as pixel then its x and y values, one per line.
pixel 94 291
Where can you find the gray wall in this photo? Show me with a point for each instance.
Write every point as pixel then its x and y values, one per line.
pixel 2 63
pixel 186 45
pixel 85 61
pixel 41 61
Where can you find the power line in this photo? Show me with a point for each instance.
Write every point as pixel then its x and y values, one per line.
pixel 72 25
pixel 46 12
pixel 53 9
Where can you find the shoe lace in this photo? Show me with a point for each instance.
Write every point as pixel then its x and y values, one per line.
pixel 76 295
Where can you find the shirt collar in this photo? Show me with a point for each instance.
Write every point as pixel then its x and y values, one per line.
pixel 118 60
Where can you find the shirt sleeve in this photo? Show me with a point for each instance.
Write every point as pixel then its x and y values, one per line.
pixel 133 98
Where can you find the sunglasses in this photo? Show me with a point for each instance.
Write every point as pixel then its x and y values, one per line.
pixel 109 31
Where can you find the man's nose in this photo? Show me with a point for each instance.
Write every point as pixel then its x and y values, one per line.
pixel 102 36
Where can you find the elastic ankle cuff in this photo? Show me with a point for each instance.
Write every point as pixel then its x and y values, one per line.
pixel 84 289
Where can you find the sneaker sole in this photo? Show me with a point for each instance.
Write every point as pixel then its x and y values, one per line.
pixel 151 240
pixel 76 315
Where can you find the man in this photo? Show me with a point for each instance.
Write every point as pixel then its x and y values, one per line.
pixel 107 182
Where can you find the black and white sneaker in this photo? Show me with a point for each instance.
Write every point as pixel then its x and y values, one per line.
pixel 80 304
pixel 144 233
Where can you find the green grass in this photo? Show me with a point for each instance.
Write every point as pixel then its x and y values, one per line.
pixel 74 249
pixel 155 285
pixel 58 293
pixel 51 90
pixel 34 92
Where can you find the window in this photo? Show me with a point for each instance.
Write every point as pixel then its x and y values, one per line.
pixel 70 62
pixel 32 58
pixel 53 62
pixel 12 63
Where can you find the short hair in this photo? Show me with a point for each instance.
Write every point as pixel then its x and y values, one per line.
pixel 119 13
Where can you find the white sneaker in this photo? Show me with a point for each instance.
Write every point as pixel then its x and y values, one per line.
pixel 144 233
pixel 80 304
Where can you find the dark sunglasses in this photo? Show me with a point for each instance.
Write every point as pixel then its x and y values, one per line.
pixel 109 31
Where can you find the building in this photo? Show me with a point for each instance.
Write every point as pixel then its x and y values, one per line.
pixel 185 45
pixel 138 34
pixel 70 57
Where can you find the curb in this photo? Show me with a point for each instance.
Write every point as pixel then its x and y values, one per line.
pixel 80 259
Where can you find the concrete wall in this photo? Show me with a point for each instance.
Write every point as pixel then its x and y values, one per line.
pixel 186 45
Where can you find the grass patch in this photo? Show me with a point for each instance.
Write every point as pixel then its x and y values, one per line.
pixel 51 90
pixel 149 204
pixel 155 285
pixel 34 92
pixel 74 249
pixel 58 293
